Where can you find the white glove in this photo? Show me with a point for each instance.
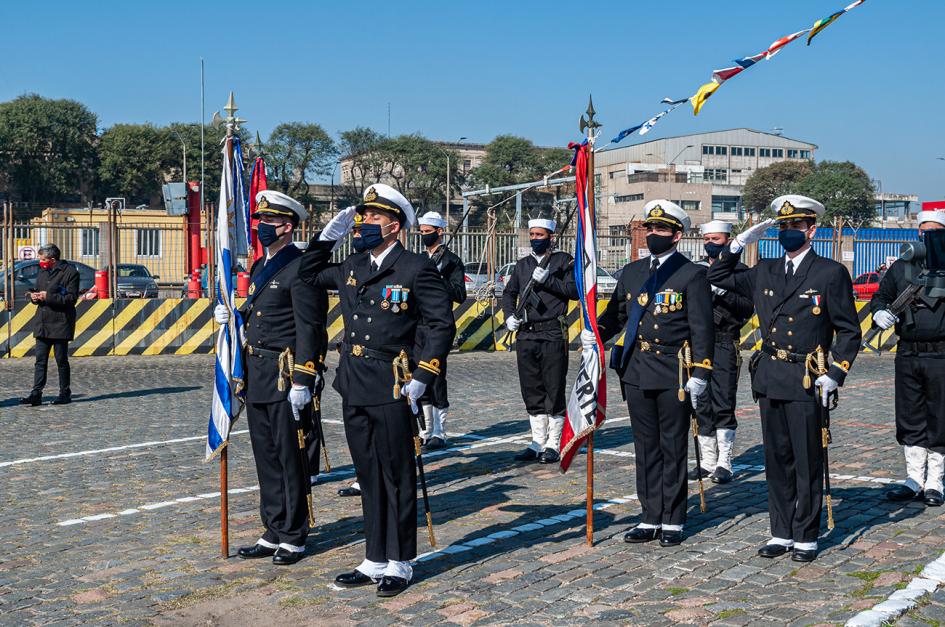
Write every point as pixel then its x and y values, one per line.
pixel 719 291
pixel 696 387
pixel 540 274
pixel 513 323
pixel 750 236
pixel 413 391
pixel 339 226
pixel 826 385
pixel 884 319
pixel 299 397
pixel 588 340
pixel 221 314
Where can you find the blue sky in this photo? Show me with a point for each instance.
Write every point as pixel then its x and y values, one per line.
pixel 869 89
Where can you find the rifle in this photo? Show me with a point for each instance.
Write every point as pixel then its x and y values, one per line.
pixel 402 376
pixel 902 302
pixel 528 296
pixel 685 362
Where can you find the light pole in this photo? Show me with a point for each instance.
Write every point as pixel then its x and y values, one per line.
pixel 183 149
pixel 672 171
pixel 447 153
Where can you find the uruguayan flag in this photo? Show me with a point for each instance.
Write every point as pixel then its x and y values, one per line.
pixel 230 239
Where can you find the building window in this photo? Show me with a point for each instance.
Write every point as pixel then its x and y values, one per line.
pixel 90 242
pixel 749 152
pixel 718 175
pixel 721 150
pixel 708 150
pixel 688 205
pixel 805 154
pixel 148 242
pixel 793 154
pixel 737 151
pixel 725 204
pixel 628 198
pixel 466 164
pixel 777 153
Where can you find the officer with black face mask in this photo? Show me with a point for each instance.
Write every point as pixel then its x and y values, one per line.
pixel 730 312
pixel 805 305
pixel 435 402
pixel 663 305
pixel 541 342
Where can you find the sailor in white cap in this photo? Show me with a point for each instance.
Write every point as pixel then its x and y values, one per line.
pixel 385 293
pixel 435 402
pixel 805 305
pixel 663 305
pixel 716 416
pixel 920 374
pixel 284 317
pixel 541 337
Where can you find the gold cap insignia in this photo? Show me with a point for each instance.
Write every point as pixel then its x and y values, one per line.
pixel 656 211
pixel 263 204
pixel 371 195
pixel 786 209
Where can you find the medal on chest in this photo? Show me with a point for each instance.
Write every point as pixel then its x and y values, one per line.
pixel 815 300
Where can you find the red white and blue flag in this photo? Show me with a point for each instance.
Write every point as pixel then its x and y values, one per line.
pixel 587 405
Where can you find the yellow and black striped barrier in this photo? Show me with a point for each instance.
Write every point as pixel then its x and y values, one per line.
pixel 185 326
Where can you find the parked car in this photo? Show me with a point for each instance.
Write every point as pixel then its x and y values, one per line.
pixel 606 284
pixel 24 274
pixel 865 285
pixel 136 281
pixel 477 276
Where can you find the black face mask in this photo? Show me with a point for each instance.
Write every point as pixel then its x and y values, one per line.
pixel 267 234
pixel 714 250
pixel 429 239
pixel 659 244
pixel 792 239
pixel 540 246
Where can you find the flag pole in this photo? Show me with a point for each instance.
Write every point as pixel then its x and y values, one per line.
pixel 590 125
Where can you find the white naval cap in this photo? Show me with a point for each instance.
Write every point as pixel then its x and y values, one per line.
pixel 432 218
pixel 666 212
pixel 716 226
pixel 386 198
pixel 542 223
pixel 937 216
pixel 796 207
pixel 273 203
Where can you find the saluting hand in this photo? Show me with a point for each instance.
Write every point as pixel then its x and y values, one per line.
pixel 750 236
pixel 339 226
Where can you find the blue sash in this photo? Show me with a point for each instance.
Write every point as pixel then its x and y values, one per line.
pixel 618 359
pixel 266 272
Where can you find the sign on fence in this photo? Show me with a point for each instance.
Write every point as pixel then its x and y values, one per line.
pixel 27 252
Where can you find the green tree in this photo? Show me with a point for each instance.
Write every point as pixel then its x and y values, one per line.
pixel 844 188
pixel 134 160
pixel 297 153
pixel 766 184
pixel 416 167
pixel 361 162
pixel 47 148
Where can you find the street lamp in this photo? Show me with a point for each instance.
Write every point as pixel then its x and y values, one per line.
pixel 183 152
pixel 672 170
pixel 446 152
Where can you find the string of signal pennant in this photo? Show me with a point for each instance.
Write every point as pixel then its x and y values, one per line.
pixel 719 77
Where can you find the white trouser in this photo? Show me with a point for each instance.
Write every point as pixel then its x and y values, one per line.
pixel 376 570
pixel 539 426
pixel 439 422
pixel 916 458
pixel 429 417
pixel 709 449
pixel 936 470
pixel 726 440
pixel 555 425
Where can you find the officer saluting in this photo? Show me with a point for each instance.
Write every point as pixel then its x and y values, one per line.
pixel 283 326
pixel 386 292
pixel 805 304
pixel 664 304
pixel 920 376
pixel 435 402
pixel 541 342
pixel 716 416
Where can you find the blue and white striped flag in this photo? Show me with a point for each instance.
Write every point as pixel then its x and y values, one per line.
pixel 230 241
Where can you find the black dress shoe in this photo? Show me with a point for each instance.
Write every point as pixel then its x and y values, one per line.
pixel 695 472
pixel 255 552
pixel 391 586
pixel 549 456
pixel 671 538
pixel 434 443
pixel 933 498
pixel 284 557
pixel 33 399
pixel 804 555
pixel 721 475
pixel 637 535
pixel 349 491
pixel 63 399
pixel 528 455
pixel 773 550
pixel 902 493
pixel 354 579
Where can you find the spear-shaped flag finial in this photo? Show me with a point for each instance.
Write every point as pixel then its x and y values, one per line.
pixel 589 122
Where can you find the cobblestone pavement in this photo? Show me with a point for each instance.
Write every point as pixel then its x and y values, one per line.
pixel 132 534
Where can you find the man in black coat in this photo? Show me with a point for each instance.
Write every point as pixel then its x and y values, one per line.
pixel 386 293
pixel 55 294
pixel 664 306
pixel 541 340
pixel 805 304
pixel 435 402
pixel 716 416
pixel 920 376
pixel 285 344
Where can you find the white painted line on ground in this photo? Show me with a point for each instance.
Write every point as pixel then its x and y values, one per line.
pixel 901 601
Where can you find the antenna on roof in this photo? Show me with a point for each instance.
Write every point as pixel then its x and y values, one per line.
pixel 777 130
